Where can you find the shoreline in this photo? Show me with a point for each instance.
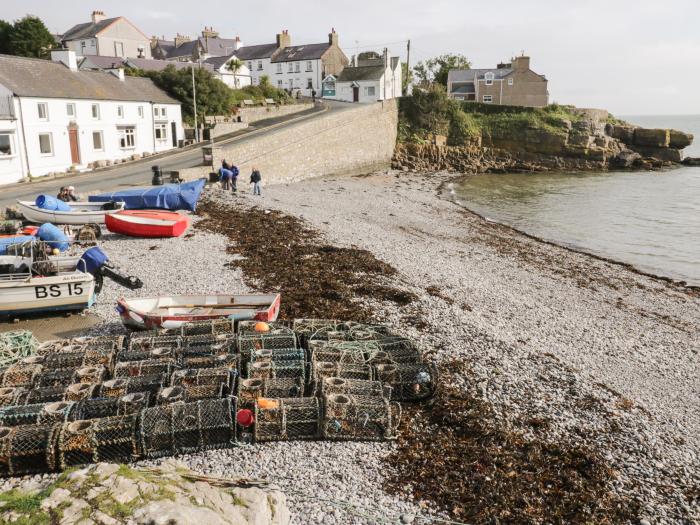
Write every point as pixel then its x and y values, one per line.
pixel 689 288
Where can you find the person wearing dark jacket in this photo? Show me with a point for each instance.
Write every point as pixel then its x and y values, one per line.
pixel 255 180
pixel 234 178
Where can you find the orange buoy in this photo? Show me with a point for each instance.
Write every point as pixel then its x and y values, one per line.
pixel 267 404
pixel 262 327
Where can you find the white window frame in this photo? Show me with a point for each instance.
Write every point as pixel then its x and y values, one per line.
pixel 156 111
pixel 279 84
pixel 309 83
pixel 487 99
pixel 95 111
pixel 250 67
pixel 372 93
pixel 70 109
pixel 101 139
pixel 45 107
pixel 10 143
pixel 510 81
pixel 260 68
pixel 140 110
pixel 120 111
pixel 297 67
pixel 290 67
pixel 164 112
pixel 127 138
pixel 117 46
pixel 279 68
pixel 82 46
pixel 50 152
pixel 309 66
pixel 488 79
pixel 162 130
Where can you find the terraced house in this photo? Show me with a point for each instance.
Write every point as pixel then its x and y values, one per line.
pixel 512 84
pixel 102 36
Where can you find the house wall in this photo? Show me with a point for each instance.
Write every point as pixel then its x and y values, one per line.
pixel 294 80
pixel 12 167
pixel 125 33
pixel 528 89
pixel 77 46
pixel 334 61
pixel 256 72
pixel 343 91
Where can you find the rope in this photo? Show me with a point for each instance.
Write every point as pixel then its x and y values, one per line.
pixel 15 346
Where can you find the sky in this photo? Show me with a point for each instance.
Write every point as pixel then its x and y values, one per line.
pixel 631 57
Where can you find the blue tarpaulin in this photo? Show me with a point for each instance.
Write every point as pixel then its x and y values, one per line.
pixel 9 241
pixel 167 197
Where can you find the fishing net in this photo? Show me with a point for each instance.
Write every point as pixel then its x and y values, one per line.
pixel 287 419
pixel 23 372
pixel 28 449
pixel 187 427
pixel 352 417
pixel 10 396
pixel 355 387
pixel 409 381
pixel 15 346
pixel 131 385
pixel 80 391
pixel 109 439
pixel 251 389
pixel 149 367
pixel 321 370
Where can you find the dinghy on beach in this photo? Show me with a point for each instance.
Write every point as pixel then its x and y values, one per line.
pixel 80 212
pixel 147 223
pixel 149 313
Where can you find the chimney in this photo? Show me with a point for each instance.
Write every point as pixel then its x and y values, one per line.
pixel 97 16
pixel 237 43
pixel 210 33
pixel 521 63
pixel 283 39
pixel 117 72
pixel 333 37
pixel 65 57
pixel 181 39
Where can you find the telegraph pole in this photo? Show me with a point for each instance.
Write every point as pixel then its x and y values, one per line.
pixel 408 66
pixel 194 100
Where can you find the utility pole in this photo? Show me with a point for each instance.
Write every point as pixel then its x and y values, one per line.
pixel 194 100
pixel 408 66
pixel 386 64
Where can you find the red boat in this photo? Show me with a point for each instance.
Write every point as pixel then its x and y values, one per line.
pixel 147 223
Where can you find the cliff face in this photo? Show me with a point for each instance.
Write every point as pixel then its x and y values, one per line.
pixel 587 142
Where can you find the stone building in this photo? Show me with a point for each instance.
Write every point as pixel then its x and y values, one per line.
pixel 512 84
pixel 369 78
pixel 102 36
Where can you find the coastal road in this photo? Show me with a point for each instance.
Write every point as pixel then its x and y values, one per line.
pixel 138 173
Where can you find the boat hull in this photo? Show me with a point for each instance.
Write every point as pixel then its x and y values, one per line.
pixel 46 294
pixel 83 213
pixel 147 223
pixel 172 312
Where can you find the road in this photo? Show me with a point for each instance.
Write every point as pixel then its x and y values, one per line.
pixel 139 172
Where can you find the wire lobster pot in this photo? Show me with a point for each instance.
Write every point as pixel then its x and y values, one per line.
pixel 149 367
pixel 251 389
pixel 211 327
pixel 409 381
pixel 287 419
pixel 79 391
pixel 103 344
pixel 95 409
pixel 49 377
pixel 10 396
pixel 23 373
pixel 110 439
pixel 90 374
pixel 144 355
pixel 248 343
pixel 187 427
pixel 355 387
pixel 305 328
pixel 249 327
pixel 15 416
pixel 277 370
pixel 229 361
pixel 215 345
pixel 28 449
pixel 360 418
pixel 132 403
pixel 321 370
pixel 203 376
pixel 44 395
pixel 169 342
pixel 130 385
pixel 340 351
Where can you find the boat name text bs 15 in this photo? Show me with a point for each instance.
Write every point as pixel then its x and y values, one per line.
pixel 54 290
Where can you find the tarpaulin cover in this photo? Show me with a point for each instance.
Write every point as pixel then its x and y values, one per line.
pixel 92 260
pixel 167 197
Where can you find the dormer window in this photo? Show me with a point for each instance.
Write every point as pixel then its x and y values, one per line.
pixel 488 77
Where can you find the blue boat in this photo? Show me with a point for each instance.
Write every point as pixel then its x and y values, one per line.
pixel 167 197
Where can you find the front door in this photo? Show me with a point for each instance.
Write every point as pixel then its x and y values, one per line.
pixel 355 94
pixel 74 146
pixel 173 133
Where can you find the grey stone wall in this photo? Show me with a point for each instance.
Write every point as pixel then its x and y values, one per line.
pixel 254 114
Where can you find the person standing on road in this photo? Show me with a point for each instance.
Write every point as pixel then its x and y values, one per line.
pixel 255 180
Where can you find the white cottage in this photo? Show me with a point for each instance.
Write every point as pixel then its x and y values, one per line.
pixel 371 78
pixel 54 117
pixel 223 70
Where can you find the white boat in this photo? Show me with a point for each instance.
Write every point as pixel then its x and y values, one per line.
pixel 81 212
pixel 173 311
pixel 53 285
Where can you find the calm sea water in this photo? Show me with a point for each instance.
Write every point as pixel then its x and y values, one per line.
pixel 648 219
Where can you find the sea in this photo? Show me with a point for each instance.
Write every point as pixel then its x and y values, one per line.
pixel 650 220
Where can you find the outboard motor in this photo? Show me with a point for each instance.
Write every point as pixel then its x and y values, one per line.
pixel 94 261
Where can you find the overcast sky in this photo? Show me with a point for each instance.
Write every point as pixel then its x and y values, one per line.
pixel 632 57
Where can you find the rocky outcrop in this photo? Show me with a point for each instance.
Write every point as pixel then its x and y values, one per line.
pixel 110 494
pixel 588 143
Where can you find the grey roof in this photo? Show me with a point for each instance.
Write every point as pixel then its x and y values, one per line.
pixel 159 65
pixel 468 75
pixel 256 52
pixel 88 29
pixel 184 49
pixel 167 46
pixel 33 77
pixel 214 46
pixel 351 74
pixel 217 62
pixel 307 52
pixel 101 62
pixel 464 89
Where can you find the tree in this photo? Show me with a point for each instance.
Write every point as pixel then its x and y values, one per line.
pixel 234 65
pixel 435 70
pixel 5 34
pixel 31 38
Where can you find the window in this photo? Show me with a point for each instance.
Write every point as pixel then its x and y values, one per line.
pixel 309 83
pixel 279 84
pixel 309 66
pixel 163 112
pixel 156 111
pixel 5 145
pixel 489 79
pixel 162 132
pixel 120 111
pixel 290 67
pixel 97 143
pixel 70 110
pixel 45 144
pixel 127 138
pixel 140 111
pixel 250 66
pixel 43 111
pixel 279 69
pixel 118 49
pixel 297 67
pixel 488 99
pixel 259 65
pixel 82 47
pixel 510 81
pixel 96 111
pixel 370 91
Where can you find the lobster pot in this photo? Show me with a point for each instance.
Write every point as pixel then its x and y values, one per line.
pixel 94 409
pixel 208 345
pixel 110 439
pixel 28 449
pixel 130 385
pixel 169 342
pixel 144 355
pixel 368 332
pixel 90 374
pixel 80 391
pixel 170 394
pixel 150 367
pixel 355 387
pixel 56 412
pixel 15 416
pixel 198 392
pixel 277 370
pixel 278 355
pixel 360 418
pixel 99 356
pixel 83 344
pixel 338 352
pixel 147 334
pixel 10 396
pixel 44 395
pixel 248 327
pixel 229 361
pixel 50 377
pixel 287 419
pixel 59 346
pixel 212 327
pixel 64 360
pixel 203 376
pixel 409 382
pixel 248 343
pixel 186 427
pixel 322 370
pixel 22 373
pixel 400 350
pixel 251 389
pixel 305 328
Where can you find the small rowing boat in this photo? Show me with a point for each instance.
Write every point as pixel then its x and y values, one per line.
pixel 147 223
pixel 150 313
pixel 80 212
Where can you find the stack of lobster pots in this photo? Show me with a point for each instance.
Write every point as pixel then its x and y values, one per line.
pixel 202 386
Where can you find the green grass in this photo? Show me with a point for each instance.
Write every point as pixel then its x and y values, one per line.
pixel 23 502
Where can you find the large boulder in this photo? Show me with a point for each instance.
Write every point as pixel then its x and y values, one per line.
pixel 679 139
pixel 661 154
pixel 621 132
pixel 625 159
pixel 653 138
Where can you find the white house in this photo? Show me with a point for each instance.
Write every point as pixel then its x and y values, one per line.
pixel 102 36
pixel 371 78
pixel 222 69
pixel 54 117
